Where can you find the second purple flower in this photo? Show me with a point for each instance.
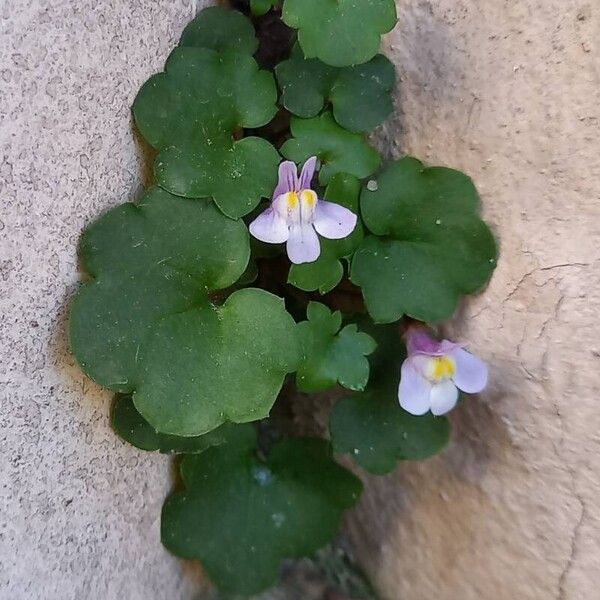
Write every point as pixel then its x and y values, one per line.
pixel 434 372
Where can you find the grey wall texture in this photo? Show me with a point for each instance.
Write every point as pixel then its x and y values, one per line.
pixel 79 510
pixel 506 91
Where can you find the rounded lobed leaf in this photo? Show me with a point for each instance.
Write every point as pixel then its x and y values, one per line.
pixel 148 260
pixel 305 83
pixel 340 32
pixel 220 28
pixel 327 271
pixel 262 7
pixel 237 175
pixel 339 151
pixel 378 433
pixel 133 428
pixel 360 96
pixel 145 324
pixel 241 516
pixel 329 357
pixel 216 364
pixel 323 275
pixel 189 114
pixel 436 247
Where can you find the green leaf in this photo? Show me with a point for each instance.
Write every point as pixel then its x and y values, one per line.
pixel 339 151
pixel 378 433
pixel 133 428
pixel 220 29
pixel 324 274
pixel 329 357
pixel 340 32
pixel 372 426
pixel 327 271
pixel 436 247
pixel 360 96
pixel 262 7
pixel 145 324
pixel 241 516
pixel 216 364
pixel 305 83
pixel 189 114
pixel 148 260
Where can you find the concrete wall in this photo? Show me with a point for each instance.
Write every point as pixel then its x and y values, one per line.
pixel 79 510
pixel 507 91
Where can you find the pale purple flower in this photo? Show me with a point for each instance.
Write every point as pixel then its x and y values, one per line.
pixel 433 373
pixel 296 215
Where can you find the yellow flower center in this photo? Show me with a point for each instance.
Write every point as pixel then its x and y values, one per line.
pixel 300 206
pixel 440 368
pixel 309 198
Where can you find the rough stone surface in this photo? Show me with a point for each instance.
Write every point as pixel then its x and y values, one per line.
pixel 507 91
pixel 510 93
pixel 79 510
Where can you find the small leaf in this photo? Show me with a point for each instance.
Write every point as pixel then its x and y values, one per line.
pixel 189 114
pixel 133 428
pixel 372 427
pixel 323 274
pixel 328 358
pixel 145 325
pixel 327 271
pixel 360 96
pixel 262 7
pixel 436 247
pixel 340 32
pixel 378 433
pixel 242 516
pixel 220 29
pixel 305 83
pixel 339 151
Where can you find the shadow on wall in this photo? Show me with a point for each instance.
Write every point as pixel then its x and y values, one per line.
pixel 63 361
pixel 146 156
pixel 429 510
pixel 429 62
pixel 413 513
pixel 58 345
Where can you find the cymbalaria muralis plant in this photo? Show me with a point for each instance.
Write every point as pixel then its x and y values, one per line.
pixel 276 255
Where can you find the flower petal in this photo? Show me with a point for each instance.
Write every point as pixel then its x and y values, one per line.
pixel 303 244
pixel 444 396
pixel 308 171
pixel 333 221
pixel 414 390
pixel 471 372
pixel 288 179
pixel 418 341
pixel 448 347
pixel 270 227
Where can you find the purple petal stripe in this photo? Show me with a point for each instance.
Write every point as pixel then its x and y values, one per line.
pixel 288 179
pixel 418 341
pixel 308 171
